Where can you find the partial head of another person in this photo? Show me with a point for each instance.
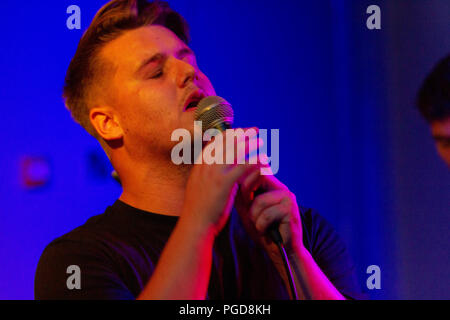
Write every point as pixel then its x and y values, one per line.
pixel 433 101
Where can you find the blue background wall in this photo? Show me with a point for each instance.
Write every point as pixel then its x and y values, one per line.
pixel 352 144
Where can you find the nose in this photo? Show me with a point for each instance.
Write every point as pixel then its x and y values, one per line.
pixel 185 72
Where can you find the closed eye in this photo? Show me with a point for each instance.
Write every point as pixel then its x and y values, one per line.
pixel 157 75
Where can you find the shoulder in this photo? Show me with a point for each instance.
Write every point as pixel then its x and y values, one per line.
pixel 318 233
pixel 330 253
pixel 87 248
pixel 89 236
pixel 75 247
pixel 320 237
pixel 100 236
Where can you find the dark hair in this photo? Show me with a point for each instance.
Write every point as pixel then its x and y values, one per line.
pixel 112 20
pixel 433 98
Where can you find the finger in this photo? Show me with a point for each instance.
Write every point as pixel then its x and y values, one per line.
pixel 249 184
pixel 248 163
pixel 240 171
pixel 245 150
pixel 237 147
pixel 237 135
pixel 237 153
pixel 242 133
pixel 270 182
pixel 265 200
pixel 233 137
pixel 254 181
pixel 230 155
pixel 269 216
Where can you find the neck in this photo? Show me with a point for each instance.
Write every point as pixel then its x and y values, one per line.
pixel 157 187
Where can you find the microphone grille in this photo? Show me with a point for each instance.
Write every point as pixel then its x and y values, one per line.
pixel 214 112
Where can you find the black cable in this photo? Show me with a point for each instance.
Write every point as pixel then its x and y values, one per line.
pixel 275 235
pixel 278 240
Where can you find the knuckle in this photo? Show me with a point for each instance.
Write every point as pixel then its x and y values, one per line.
pixel 286 208
pixel 260 202
pixel 266 216
pixel 259 226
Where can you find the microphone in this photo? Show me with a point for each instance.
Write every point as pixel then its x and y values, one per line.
pixel 216 113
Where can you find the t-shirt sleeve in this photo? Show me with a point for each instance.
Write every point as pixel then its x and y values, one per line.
pixel 76 269
pixel 331 254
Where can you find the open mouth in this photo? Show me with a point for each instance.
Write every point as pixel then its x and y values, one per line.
pixel 192 102
pixel 192 105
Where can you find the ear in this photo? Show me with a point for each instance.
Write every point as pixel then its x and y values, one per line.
pixel 106 123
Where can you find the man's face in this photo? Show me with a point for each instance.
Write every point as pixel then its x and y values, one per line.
pixel 156 76
pixel 441 134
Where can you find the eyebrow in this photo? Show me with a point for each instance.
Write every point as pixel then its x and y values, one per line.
pixel 160 56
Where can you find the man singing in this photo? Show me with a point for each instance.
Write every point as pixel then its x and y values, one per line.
pixel 177 231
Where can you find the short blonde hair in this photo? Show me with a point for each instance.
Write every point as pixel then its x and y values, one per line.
pixel 112 20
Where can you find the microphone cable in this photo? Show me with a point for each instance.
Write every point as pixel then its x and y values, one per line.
pixel 276 237
pixel 278 240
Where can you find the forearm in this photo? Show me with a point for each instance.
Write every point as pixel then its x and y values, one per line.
pixel 184 267
pixel 309 278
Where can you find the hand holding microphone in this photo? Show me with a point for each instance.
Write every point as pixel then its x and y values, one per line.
pixel 267 208
pixel 211 188
pixel 263 198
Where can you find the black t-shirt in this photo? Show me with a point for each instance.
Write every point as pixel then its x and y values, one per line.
pixel 117 251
